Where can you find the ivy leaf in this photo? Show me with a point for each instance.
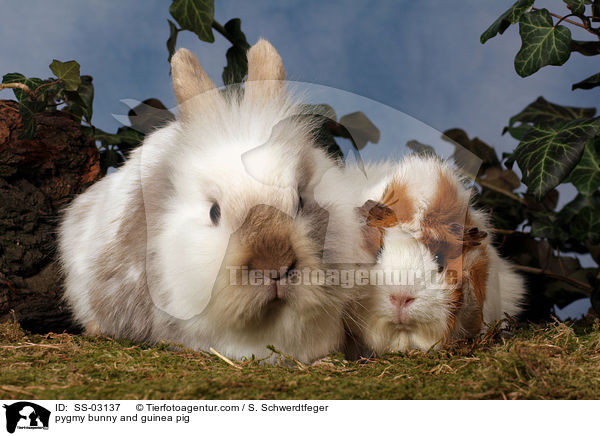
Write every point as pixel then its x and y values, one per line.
pixel 509 17
pixel 586 48
pixel 234 29
pixel 196 16
pixel 542 43
pixel 80 102
pixel 585 226
pixel 542 111
pixel 517 132
pixel 504 179
pixel 32 83
pixel 475 146
pixel 237 66
pixel 86 92
pixel 572 208
pixel 421 149
pixel 586 175
pixel 589 83
pixel 237 62
pixel 544 225
pixel 172 41
pixel 28 109
pixel 361 129
pixel 149 115
pixel 505 212
pixel 577 6
pixel 548 153
pixel 321 110
pixel 68 72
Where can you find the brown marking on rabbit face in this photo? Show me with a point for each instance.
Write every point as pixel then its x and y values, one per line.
pixel 267 249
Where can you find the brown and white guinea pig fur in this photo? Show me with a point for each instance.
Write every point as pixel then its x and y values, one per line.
pixel 438 276
pixel 194 238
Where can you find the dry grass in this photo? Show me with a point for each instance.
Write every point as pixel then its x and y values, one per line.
pixel 556 360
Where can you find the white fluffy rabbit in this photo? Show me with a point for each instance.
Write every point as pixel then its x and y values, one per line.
pixel 163 247
pixel 438 277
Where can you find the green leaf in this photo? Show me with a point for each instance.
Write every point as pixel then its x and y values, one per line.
pixel 172 41
pixel 585 226
pixel 586 175
pixel 196 16
pixel 234 30
pixel 322 110
pixel 586 48
pixel 361 129
pixel 504 179
pixel 589 83
pixel 28 109
pixel 577 6
pixel 32 83
pixel 149 115
pixel 542 43
pixel 542 111
pixel 86 92
pixel 476 146
pixel 572 208
pixel 421 149
pixel 543 225
pixel 237 66
pixel 548 153
pixel 517 132
pixel 68 72
pixel 237 62
pixel 505 212
pixel 509 17
pixel 80 102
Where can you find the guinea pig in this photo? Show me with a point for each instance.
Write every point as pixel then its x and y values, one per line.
pixel 197 237
pixel 438 278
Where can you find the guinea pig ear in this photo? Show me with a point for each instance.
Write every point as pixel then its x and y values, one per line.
pixel 193 88
pixel 266 74
pixel 377 214
pixel 469 236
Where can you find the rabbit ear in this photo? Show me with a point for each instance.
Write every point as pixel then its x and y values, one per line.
pixel 193 88
pixel 266 74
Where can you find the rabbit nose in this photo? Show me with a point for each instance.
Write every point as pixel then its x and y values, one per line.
pixel 280 261
pixel 283 271
pixel 401 301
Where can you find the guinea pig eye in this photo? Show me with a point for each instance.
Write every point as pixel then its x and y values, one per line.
pixel 440 260
pixel 215 213
pixel 300 203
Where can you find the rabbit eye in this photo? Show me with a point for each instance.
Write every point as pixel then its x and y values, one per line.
pixel 440 259
pixel 215 213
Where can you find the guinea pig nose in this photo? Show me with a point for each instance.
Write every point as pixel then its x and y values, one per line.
pixel 400 300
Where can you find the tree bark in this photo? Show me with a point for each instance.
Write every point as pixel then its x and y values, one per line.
pixel 38 178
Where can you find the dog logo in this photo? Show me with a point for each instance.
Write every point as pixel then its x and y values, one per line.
pixel 26 415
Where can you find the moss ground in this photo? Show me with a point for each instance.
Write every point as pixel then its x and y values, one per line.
pixel 554 360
